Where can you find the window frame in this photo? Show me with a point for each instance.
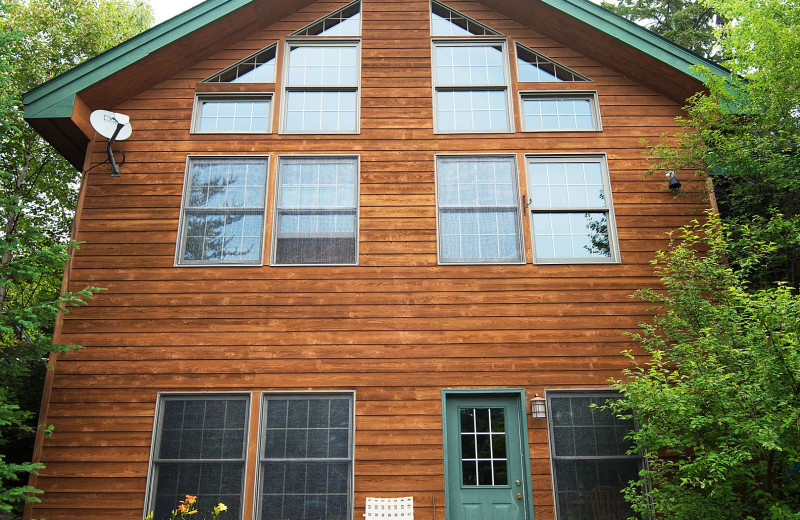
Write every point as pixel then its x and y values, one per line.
pixel 180 247
pixel 286 88
pixel 156 436
pixel 300 395
pixel 578 77
pixel 276 209
pixel 221 72
pixel 201 98
pixel 518 207
pixel 472 41
pixel 613 240
pixel 559 95
pixel 578 392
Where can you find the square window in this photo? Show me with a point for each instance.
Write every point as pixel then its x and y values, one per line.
pixel 223 208
pixel 316 214
pixel 572 215
pixel 478 210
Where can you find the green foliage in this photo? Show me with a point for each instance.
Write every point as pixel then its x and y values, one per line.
pixel 39 39
pixel 745 134
pixel 689 23
pixel 718 393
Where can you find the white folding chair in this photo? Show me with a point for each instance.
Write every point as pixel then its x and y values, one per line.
pixel 398 508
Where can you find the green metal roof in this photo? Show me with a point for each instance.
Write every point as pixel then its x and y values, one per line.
pixel 636 36
pixel 55 99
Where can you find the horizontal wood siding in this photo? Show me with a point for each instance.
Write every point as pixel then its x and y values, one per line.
pixel 396 329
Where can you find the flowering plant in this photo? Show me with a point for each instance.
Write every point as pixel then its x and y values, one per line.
pixel 188 507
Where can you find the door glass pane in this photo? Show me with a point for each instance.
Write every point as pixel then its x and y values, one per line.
pixel 483 447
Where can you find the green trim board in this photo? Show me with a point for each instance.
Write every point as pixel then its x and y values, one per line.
pixel 636 36
pixel 517 394
pixel 55 98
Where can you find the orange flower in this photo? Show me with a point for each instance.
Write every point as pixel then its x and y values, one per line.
pixel 183 507
pixel 191 499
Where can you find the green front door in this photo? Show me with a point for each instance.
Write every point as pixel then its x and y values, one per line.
pixel 486 477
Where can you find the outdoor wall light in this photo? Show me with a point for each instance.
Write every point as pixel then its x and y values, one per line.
pixel 674 183
pixel 538 407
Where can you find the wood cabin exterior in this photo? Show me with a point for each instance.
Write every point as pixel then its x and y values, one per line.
pixel 382 332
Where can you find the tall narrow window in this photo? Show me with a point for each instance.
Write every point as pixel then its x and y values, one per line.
pixel 223 211
pixel 589 454
pixel 571 209
pixel 322 76
pixel 200 446
pixel 306 457
pixel 316 214
pixel 478 210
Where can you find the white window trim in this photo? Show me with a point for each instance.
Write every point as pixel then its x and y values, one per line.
pixel 357 208
pixel 202 97
pixel 179 248
pixel 590 95
pixel 520 209
pixel 320 41
pixel 612 226
pixel 304 395
pixel 158 419
pixel 472 41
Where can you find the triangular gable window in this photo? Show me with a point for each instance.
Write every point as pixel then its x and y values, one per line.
pixel 448 22
pixel 532 66
pixel 344 22
pixel 256 68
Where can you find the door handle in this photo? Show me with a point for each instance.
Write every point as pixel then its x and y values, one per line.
pixel 519 496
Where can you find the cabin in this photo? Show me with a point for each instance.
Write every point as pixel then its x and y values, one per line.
pixel 351 250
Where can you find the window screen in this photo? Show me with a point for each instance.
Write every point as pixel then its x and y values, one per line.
pixel 589 456
pixel 317 211
pixel 200 450
pixel 478 210
pixel 306 457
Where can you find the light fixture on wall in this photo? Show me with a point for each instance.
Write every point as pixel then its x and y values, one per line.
pixel 674 183
pixel 538 407
pixel 114 127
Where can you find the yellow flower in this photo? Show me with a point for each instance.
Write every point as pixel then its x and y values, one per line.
pixel 149 516
pixel 222 507
pixel 192 512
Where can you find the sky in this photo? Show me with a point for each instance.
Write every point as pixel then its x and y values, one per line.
pixel 165 9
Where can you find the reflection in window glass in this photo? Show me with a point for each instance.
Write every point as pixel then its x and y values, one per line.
pixel 258 68
pixel 570 209
pixel 447 22
pixel 344 22
pixel 483 447
pixel 316 211
pixel 469 65
pixel 237 115
pixel 558 112
pixel 478 210
pixel 532 66
pixel 200 451
pixel 306 458
pixel 223 211
pixel 591 463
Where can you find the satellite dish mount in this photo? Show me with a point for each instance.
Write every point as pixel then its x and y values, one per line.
pixel 114 127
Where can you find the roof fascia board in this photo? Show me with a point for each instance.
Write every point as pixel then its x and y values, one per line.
pixel 637 37
pixel 42 101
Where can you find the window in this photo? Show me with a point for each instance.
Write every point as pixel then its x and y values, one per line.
pixel 572 217
pixel 548 111
pixel 199 449
pixel 316 211
pixel 449 22
pixel 589 455
pixel 535 67
pixel 256 68
pixel 321 77
pixel 478 210
pixel 471 87
pixel 244 114
pixel 223 211
pixel 306 457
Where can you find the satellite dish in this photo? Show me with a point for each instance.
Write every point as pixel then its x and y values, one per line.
pixel 108 124
pixel 114 127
